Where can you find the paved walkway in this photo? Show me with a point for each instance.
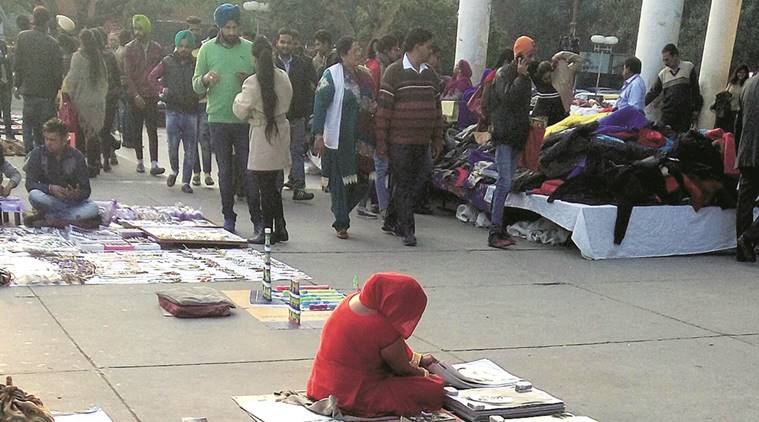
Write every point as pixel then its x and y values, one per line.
pixel 670 339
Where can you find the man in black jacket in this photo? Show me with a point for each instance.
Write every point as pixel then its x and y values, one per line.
pixel 748 162
pixel 39 75
pixel 509 105
pixel 303 80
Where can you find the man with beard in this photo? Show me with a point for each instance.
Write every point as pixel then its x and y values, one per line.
pixel 223 65
pixel 141 56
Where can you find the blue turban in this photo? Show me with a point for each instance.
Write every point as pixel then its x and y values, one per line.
pixel 184 35
pixel 225 13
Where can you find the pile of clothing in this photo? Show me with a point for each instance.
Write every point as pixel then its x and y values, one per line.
pixel 616 158
pixel 621 159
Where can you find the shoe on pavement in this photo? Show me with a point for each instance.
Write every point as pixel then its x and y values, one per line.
pixel 388 229
pixel 342 234
pixel 171 180
pixel 106 166
pixel 114 160
pixel 209 180
pixel 499 242
pixel 409 240
pixel 196 179
pixel 140 168
pixel 288 185
pixel 229 224
pixel 156 171
pixel 424 210
pixel 302 195
pixel 32 217
pixel 186 188
pixel 363 212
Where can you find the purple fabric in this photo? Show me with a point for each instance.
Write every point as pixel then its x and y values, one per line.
pixel 626 119
pixel 466 116
pixel 579 168
pixel 476 156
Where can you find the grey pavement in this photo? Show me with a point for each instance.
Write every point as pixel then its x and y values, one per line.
pixel 667 339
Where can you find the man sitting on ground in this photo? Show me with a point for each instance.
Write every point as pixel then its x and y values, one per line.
pixel 58 182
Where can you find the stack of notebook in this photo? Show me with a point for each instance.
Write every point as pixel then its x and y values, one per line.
pixel 480 389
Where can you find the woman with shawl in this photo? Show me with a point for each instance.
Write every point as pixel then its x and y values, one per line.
pixel 87 86
pixel 363 359
pixel 343 108
pixel 460 82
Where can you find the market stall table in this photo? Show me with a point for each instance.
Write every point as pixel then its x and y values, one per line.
pixel 653 231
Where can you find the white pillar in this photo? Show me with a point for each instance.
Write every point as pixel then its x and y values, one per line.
pixel 659 26
pixel 718 53
pixel 472 35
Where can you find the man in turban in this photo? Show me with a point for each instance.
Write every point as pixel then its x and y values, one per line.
pixel 223 64
pixel 172 79
pixel 142 55
pixel 511 92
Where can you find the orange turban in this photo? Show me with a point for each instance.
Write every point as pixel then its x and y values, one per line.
pixel 523 45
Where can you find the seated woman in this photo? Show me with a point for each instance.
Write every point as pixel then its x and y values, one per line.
pixel 7 170
pixel 363 359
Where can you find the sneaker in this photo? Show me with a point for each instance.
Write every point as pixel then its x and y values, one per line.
pixel 140 168
pixel 209 180
pixel 229 224
pixel 409 240
pixel 302 195
pixel 342 234
pixel 171 180
pixel 196 179
pixel 375 209
pixel 388 229
pixel 114 160
pixel 156 171
pixel 106 166
pixel 363 212
pixel 260 239
pixel 288 185
pixel 186 188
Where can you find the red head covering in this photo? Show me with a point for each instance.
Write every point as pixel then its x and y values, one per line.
pixel 397 297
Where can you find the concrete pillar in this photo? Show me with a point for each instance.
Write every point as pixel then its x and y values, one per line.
pixel 659 26
pixel 472 35
pixel 718 53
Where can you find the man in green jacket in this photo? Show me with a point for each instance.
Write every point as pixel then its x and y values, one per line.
pixel 223 64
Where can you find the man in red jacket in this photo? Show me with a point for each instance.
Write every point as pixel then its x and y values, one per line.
pixel 142 55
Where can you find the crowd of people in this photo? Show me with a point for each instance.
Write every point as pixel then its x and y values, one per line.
pixel 375 119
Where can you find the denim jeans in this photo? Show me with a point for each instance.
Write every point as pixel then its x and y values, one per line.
pixel 58 209
pixel 506 163
pixel 228 140
pixel 204 143
pixel 182 127
pixel 37 111
pixel 297 175
pixel 380 181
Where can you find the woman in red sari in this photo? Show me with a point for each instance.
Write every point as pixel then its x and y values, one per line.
pixel 363 359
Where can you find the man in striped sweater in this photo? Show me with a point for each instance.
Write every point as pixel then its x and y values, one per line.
pixel 409 120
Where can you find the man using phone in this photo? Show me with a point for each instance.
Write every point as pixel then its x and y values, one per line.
pixel 58 182
pixel 511 92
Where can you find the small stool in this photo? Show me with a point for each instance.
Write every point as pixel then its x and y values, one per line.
pixel 11 205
